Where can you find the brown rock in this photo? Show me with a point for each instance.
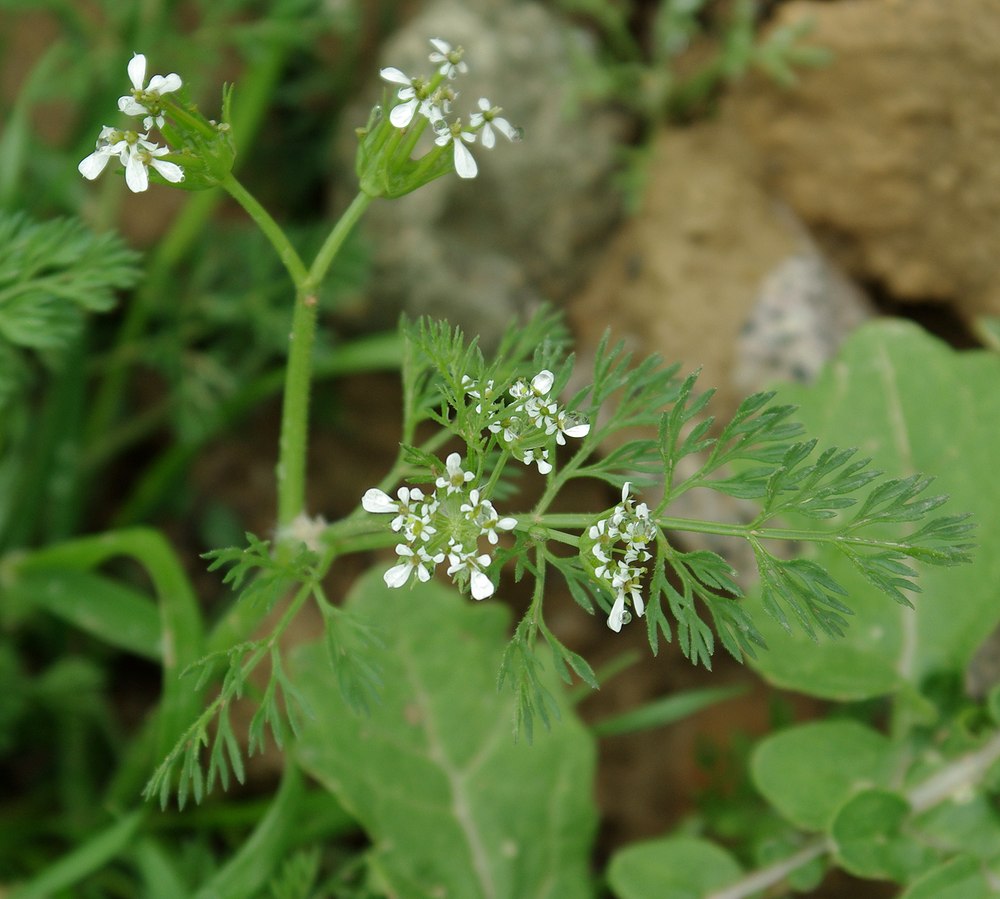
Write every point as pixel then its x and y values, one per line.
pixel 890 153
pixel 681 277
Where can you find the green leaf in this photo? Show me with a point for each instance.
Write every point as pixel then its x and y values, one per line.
pixel 452 804
pixel 90 856
pixel 53 272
pixel 959 878
pixel 118 615
pixel 672 868
pixel 665 711
pixel 912 404
pixel 807 772
pixel 870 839
pixel 966 824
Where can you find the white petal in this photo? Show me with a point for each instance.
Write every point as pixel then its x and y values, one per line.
pixel 165 84
pixel 402 115
pixel 544 467
pixel 542 382
pixel 423 575
pixel 638 604
pixel 482 586
pixel 487 137
pixel 484 104
pixel 625 490
pixel 94 164
pixel 137 70
pixel 375 500
pixel 130 106
pixel 136 176
pixel 440 45
pixel 465 165
pixel 168 170
pixel 396 76
pixel 507 524
pixel 397 575
pixel 617 614
pixel 453 463
pixel 506 129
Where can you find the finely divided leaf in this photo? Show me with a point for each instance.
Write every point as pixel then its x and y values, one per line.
pixel 912 404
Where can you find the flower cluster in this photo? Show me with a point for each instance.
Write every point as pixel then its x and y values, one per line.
pixel 526 425
pixel 618 546
pixel 134 150
pixel 432 100
pixel 449 522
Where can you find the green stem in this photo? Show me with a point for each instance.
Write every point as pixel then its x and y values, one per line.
pixel 333 243
pixel 291 472
pixel 298 375
pixel 744 531
pixel 272 231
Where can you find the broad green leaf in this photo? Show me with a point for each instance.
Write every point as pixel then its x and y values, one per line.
pixel 960 878
pixel 912 404
pixel 967 824
pixel 870 838
pixel 453 806
pixel 808 772
pixel 672 868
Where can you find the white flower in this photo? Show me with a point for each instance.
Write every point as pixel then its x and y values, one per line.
pixel 490 522
pixel 540 458
pixel 402 114
pixel 136 153
pixel 412 517
pixel 570 425
pixel 479 583
pixel 489 118
pixel 541 384
pixel 453 134
pixel 413 93
pixel 473 389
pixel 472 507
pixel 420 562
pixel 110 142
pixel 482 587
pixel 143 155
pixel 145 98
pixel 626 580
pixel 450 59
pixel 456 478
pixel 617 617
pixel 542 414
pixel 376 500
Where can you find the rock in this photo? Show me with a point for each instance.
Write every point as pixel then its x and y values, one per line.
pixel 479 251
pixel 713 273
pixel 890 153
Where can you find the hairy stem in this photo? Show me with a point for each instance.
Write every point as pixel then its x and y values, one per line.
pixel 291 473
